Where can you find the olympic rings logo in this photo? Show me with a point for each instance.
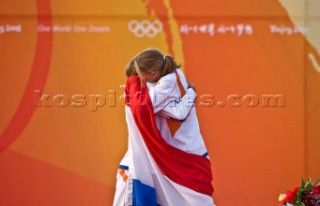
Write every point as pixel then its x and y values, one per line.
pixel 145 28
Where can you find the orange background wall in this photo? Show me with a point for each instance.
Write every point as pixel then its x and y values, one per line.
pixel 68 155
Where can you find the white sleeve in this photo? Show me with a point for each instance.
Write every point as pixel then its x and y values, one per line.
pixel 166 103
pixel 161 93
pixel 180 108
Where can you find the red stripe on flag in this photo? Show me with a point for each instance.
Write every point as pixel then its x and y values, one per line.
pixel 190 170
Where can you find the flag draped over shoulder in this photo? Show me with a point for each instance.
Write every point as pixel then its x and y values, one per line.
pixel 188 170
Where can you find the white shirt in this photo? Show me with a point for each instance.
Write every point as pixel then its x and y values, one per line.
pixel 167 102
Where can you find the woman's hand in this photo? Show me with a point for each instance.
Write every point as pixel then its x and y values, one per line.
pixel 191 85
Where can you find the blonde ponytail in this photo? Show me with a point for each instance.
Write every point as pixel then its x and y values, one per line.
pixel 151 60
pixel 169 65
pixel 131 69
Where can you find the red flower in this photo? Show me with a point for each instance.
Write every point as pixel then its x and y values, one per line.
pixel 290 196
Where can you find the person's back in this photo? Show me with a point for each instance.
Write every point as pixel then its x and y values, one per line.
pixel 185 134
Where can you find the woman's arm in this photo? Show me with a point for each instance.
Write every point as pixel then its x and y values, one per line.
pixel 166 99
pixel 191 85
pixel 180 107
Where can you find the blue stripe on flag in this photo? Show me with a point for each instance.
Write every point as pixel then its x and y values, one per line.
pixel 123 167
pixel 205 154
pixel 143 195
pixel 179 120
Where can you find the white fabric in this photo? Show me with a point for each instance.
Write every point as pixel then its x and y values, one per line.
pixel 163 95
pixel 168 193
pixel 167 102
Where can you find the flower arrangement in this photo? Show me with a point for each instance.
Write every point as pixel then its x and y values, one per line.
pixel 307 194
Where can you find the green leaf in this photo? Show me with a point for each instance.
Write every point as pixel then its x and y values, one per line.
pixel 299 195
pixel 299 204
pixel 307 184
pixel 302 183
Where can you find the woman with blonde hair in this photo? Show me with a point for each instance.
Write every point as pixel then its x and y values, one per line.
pixel 167 162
